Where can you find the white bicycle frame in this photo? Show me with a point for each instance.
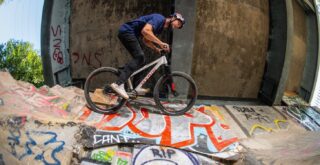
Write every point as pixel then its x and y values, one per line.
pixel 160 61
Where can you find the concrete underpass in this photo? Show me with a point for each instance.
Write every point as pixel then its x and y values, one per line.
pixel 255 64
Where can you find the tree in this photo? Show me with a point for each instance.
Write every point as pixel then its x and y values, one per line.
pixel 1 2
pixel 22 61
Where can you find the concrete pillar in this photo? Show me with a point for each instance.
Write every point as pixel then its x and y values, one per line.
pixel 289 52
pixel 316 89
pixel 55 42
pixel 182 48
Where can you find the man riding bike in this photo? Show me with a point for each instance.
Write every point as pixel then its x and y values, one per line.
pixel 145 27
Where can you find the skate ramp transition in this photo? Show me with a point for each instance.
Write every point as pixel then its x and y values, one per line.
pixel 54 126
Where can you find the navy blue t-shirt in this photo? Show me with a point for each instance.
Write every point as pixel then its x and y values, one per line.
pixel 135 26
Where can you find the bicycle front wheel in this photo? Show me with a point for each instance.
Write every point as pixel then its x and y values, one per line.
pixel 176 93
pixel 98 93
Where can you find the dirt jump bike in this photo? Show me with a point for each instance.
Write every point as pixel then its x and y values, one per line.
pixel 174 93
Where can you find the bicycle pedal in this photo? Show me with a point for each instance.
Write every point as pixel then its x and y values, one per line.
pixel 142 91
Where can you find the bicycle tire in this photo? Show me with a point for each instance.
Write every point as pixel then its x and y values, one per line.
pixel 93 106
pixel 162 82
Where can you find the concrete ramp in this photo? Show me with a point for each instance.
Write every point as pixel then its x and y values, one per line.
pixel 54 126
pixel 283 148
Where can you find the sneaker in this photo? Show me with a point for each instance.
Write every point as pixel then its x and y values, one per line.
pixel 120 90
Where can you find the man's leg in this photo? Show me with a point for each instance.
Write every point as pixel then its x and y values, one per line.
pixel 132 44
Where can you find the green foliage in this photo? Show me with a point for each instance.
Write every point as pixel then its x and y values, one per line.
pixel 1 1
pixel 22 61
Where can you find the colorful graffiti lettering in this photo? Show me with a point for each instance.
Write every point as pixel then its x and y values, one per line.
pixel 53 145
pixel 123 158
pixel 57 54
pixel 136 125
pixel 40 100
pixel 103 156
pixel 268 129
pixel 122 162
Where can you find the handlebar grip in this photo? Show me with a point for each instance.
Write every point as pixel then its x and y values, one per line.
pixel 162 52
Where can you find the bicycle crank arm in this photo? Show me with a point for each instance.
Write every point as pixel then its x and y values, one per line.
pixel 132 95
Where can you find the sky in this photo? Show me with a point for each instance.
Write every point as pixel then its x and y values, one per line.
pixel 21 20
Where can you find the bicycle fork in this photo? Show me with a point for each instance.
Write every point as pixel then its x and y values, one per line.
pixel 171 85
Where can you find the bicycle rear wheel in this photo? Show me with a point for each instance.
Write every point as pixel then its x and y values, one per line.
pixel 176 93
pixel 99 96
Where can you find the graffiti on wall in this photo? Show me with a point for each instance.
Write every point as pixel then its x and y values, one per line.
pixel 162 155
pixel 195 131
pixel 123 158
pixel 104 154
pixel 88 59
pixel 305 115
pixel 41 100
pixel 111 155
pixel 145 154
pixel 257 119
pixel 29 141
pixel 57 54
pixel 166 155
pixel 24 98
pixel 32 141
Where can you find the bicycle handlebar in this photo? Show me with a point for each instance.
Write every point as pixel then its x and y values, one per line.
pixel 163 52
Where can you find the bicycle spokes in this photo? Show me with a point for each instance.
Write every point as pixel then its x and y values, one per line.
pixel 99 95
pixel 176 93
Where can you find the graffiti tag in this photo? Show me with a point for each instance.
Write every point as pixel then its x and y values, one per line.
pixel 251 114
pixel 57 54
pixel 157 155
pixel 51 145
pixel 89 59
pixel 108 139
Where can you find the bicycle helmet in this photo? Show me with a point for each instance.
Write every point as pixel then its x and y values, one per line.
pixel 179 17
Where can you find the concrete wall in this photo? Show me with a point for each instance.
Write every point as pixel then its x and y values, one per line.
pixel 299 41
pixel 223 45
pixel 94 27
pixel 230 47
pixel 219 68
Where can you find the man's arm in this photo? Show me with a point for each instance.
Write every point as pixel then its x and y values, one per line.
pixel 148 34
pixel 151 45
